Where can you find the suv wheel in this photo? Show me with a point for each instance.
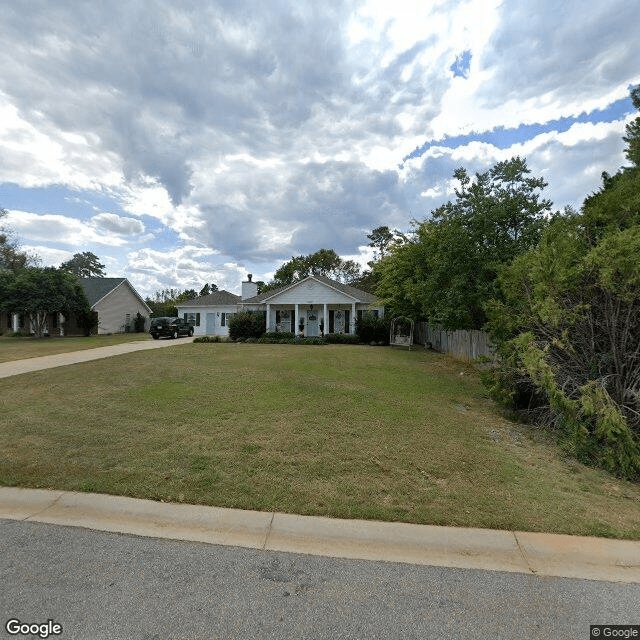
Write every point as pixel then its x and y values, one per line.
pixel 155 336
pixel 190 332
pixel 175 334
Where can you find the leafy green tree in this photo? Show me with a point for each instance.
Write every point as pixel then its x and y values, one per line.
pixel 401 274
pixel 11 257
pixel 38 292
pixel 633 131
pixel 567 326
pixel 324 262
pixel 382 238
pixel 208 289
pixel 163 303
pixel 84 265
pixel 187 294
pixel 447 270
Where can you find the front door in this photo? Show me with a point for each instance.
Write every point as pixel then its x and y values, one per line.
pixel 312 323
pixel 211 324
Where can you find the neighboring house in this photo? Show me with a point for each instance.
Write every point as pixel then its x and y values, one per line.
pixel 115 300
pixel 210 314
pixel 302 307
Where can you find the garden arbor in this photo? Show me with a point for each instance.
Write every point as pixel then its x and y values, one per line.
pixel 401 333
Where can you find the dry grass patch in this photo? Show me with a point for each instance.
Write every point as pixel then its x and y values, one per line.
pixel 339 431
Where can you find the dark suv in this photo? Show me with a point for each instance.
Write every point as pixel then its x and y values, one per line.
pixel 170 327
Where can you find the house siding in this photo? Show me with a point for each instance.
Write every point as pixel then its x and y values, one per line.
pixel 114 308
pixel 310 293
pixel 210 326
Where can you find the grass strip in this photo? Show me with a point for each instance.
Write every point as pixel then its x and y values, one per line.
pixel 339 431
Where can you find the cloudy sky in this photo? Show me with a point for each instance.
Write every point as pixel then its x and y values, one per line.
pixel 194 142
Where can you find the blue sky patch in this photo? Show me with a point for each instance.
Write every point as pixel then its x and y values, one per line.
pixel 504 138
pixel 56 199
pixel 462 65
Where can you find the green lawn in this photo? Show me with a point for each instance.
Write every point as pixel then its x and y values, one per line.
pixel 342 431
pixel 19 348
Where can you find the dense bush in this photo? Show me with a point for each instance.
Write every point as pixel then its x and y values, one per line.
pixel 138 323
pixel 208 339
pixel 87 320
pixel 570 344
pixel 341 338
pixel 277 337
pixel 312 341
pixel 370 328
pixel 246 325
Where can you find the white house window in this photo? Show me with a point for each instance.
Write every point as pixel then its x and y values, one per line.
pixel 224 318
pixel 193 319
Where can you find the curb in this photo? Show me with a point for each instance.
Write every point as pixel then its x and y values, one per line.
pixel 539 554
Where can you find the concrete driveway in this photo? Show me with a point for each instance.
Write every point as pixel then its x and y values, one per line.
pixel 16 367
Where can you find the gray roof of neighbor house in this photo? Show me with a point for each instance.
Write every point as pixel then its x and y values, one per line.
pixel 97 288
pixel 216 298
pixel 358 294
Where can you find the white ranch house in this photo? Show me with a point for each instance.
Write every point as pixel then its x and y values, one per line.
pixel 315 303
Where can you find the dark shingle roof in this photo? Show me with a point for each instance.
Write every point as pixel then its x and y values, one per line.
pixel 217 297
pixel 358 294
pixel 97 288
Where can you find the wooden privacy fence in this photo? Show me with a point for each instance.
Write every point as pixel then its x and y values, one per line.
pixel 467 345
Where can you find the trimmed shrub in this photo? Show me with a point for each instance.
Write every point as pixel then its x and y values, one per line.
pixel 208 339
pixel 370 328
pixel 277 337
pixel 312 341
pixel 246 325
pixel 341 338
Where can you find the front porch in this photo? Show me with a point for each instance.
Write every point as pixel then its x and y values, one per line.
pixel 311 320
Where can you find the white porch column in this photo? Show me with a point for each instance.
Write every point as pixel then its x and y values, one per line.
pixel 325 318
pixel 297 319
pixel 61 324
pixel 352 321
pixel 15 322
pixel 268 317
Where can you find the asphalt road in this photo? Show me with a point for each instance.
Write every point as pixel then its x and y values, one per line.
pixel 109 585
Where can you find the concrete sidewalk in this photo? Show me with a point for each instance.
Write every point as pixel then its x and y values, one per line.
pixel 532 553
pixel 16 367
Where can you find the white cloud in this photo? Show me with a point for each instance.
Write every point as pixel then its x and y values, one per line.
pixel 264 132
pixel 119 225
pixel 48 256
pixel 59 229
pixel 187 267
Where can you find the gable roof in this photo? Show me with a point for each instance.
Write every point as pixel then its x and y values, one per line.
pixel 97 288
pixel 357 294
pixel 216 298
